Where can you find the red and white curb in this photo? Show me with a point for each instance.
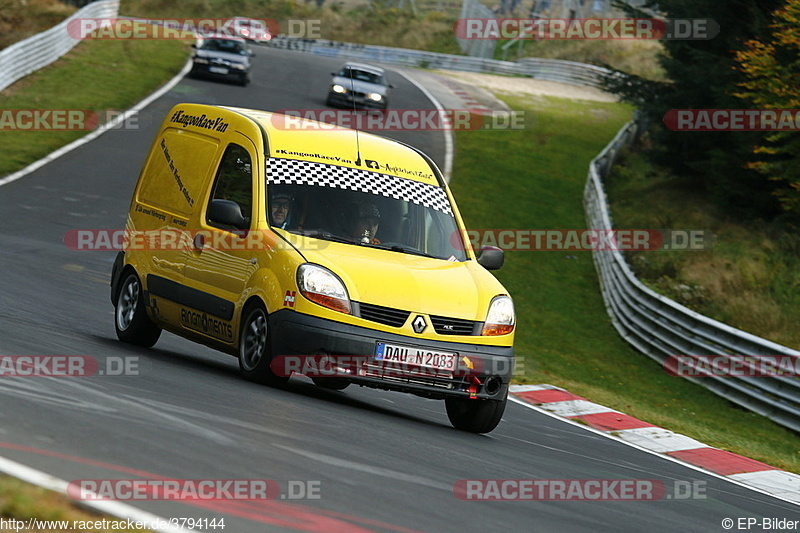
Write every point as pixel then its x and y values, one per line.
pixel 562 403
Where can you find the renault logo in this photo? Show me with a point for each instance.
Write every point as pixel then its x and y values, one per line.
pixel 419 324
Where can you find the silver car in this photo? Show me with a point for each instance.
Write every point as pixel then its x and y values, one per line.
pixel 359 85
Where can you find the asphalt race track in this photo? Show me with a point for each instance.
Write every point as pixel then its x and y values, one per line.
pixel 382 461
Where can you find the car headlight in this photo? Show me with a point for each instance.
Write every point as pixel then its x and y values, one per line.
pixel 338 89
pixel 323 287
pixel 201 61
pixel 239 66
pixel 375 97
pixel 500 318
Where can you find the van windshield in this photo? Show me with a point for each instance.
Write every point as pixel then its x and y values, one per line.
pixel 362 208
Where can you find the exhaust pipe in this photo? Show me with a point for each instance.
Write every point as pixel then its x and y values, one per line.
pixel 492 385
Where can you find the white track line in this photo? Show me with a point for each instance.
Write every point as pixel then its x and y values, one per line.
pixel 113 508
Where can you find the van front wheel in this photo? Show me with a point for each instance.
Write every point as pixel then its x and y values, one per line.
pixel 476 416
pixel 130 316
pixel 255 354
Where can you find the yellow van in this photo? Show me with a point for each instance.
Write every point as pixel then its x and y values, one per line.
pixel 299 247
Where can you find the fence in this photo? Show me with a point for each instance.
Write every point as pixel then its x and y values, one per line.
pixel 24 57
pixel 664 329
pixel 473 9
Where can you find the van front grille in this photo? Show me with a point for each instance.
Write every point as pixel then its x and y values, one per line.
pixel 452 326
pixel 384 315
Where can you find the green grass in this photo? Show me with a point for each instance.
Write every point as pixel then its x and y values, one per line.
pixel 96 75
pixel 534 179
pixel 748 279
pixel 22 19
pixel 22 501
pixel 634 56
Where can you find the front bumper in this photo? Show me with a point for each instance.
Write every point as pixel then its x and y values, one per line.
pixel 204 70
pixel 298 334
pixel 348 100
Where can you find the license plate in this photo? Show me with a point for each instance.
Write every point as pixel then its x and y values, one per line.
pixel 218 70
pixel 418 357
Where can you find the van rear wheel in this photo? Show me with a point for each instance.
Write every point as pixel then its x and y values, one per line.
pixel 255 354
pixel 475 416
pixel 130 315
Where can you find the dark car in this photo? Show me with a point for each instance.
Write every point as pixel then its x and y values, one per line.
pixel 222 57
pixel 359 85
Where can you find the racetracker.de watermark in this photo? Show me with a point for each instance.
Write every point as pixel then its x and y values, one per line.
pixel 577 490
pixel 165 28
pixel 401 119
pixel 65 119
pixel 404 363
pixel 732 119
pixel 68 366
pixel 184 240
pixel 634 240
pixel 580 29
pixel 703 366
pixel 193 489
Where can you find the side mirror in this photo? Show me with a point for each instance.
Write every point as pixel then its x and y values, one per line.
pixel 226 213
pixel 194 45
pixel 391 86
pixel 491 258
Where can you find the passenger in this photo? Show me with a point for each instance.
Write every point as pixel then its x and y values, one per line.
pixel 366 224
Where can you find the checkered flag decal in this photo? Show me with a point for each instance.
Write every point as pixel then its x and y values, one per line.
pixel 293 172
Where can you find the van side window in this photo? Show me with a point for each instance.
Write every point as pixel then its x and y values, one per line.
pixel 234 180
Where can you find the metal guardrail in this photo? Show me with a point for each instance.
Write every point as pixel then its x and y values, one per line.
pixel 663 329
pixel 542 69
pixel 33 53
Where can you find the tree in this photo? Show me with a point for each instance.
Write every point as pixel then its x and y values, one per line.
pixel 772 69
pixel 701 75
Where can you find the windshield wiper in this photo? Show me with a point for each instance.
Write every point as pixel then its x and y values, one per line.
pixel 407 250
pixel 324 235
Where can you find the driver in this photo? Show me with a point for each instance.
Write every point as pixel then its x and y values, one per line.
pixel 280 205
pixel 366 224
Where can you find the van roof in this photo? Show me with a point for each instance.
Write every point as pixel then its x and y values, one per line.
pixel 294 137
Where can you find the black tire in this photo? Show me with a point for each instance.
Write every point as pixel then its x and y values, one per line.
pixel 255 354
pixel 475 416
pixel 331 383
pixel 130 316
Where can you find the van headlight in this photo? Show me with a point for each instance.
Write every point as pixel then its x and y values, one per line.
pixel 500 318
pixel 323 287
pixel 201 61
pixel 338 89
pixel 375 97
